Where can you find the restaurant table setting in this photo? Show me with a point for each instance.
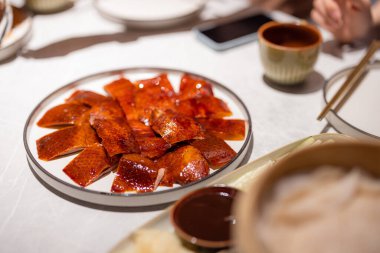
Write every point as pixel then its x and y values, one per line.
pixel 54 54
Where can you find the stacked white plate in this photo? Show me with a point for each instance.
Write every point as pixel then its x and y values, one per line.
pixel 150 14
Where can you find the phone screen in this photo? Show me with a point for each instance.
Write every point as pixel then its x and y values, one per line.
pixel 236 29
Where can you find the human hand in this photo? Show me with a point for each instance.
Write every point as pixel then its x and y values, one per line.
pixel 347 20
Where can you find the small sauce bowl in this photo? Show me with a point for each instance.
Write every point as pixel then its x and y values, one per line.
pixel 204 217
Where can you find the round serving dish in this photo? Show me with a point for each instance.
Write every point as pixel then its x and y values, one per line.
pixel 100 191
pixel 249 206
pixel 358 117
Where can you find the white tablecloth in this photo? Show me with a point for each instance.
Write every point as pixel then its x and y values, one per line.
pixel 32 218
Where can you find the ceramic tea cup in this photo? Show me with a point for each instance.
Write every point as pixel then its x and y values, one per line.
pixel 288 51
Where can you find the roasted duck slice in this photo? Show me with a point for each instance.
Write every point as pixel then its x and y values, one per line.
pixel 147 103
pixel 159 84
pixel 187 107
pixel 174 127
pixel 182 166
pixel 107 110
pixel 212 107
pixel 89 165
pixel 140 130
pixel 136 173
pixel 85 97
pixel 216 151
pixel 63 115
pixel 153 94
pixel 152 147
pixel 124 92
pixel 116 136
pixel 66 140
pixel 192 86
pixel 226 129
pixel 203 107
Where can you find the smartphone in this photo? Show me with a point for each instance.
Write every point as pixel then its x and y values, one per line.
pixel 222 36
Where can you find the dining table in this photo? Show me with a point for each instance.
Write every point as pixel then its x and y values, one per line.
pixel 77 42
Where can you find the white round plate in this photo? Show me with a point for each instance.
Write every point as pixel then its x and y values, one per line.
pixel 359 115
pixel 99 192
pixel 149 13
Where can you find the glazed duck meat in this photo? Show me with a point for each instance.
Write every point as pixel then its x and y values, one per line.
pixel 65 141
pixel 136 173
pixel 226 129
pixel 203 107
pixel 85 97
pixel 89 165
pixel 215 150
pixel 63 115
pixel 143 130
pixel 191 87
pixel 182 166
pixel 153 94
pixel 122 90
pixel 175 127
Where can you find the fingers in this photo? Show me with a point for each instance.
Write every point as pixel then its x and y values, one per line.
pixel 327 12
pixel 319 19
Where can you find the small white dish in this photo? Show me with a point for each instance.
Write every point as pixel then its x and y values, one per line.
pixel 358 116
pixel 19 34
pixel 149 14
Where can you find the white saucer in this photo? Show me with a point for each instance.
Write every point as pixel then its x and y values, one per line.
pixel 149 13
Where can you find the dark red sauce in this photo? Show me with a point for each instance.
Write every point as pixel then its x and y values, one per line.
pixel 207 214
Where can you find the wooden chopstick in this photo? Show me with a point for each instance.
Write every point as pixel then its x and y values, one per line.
pixel 352 78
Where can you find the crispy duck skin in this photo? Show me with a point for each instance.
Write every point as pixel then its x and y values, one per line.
pixel 106 110
pixel 140 130
pixel 116 136
pixel 66 140
pixel 226 129
pixel 174 127
pixel 203 107
pixel 89 165
pixel 192 86
pixel 216 151
pixel 135 173
pixel 211 107
pixel 182 166
pixel 146 103
pixel 153 94
pixel 152 147
pixel 124 92
pixel 110 124
pixel 85 97
pixel 62 115
pixel 160 84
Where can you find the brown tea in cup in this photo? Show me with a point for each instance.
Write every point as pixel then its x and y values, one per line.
pixel 291 35
pixel 288 51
